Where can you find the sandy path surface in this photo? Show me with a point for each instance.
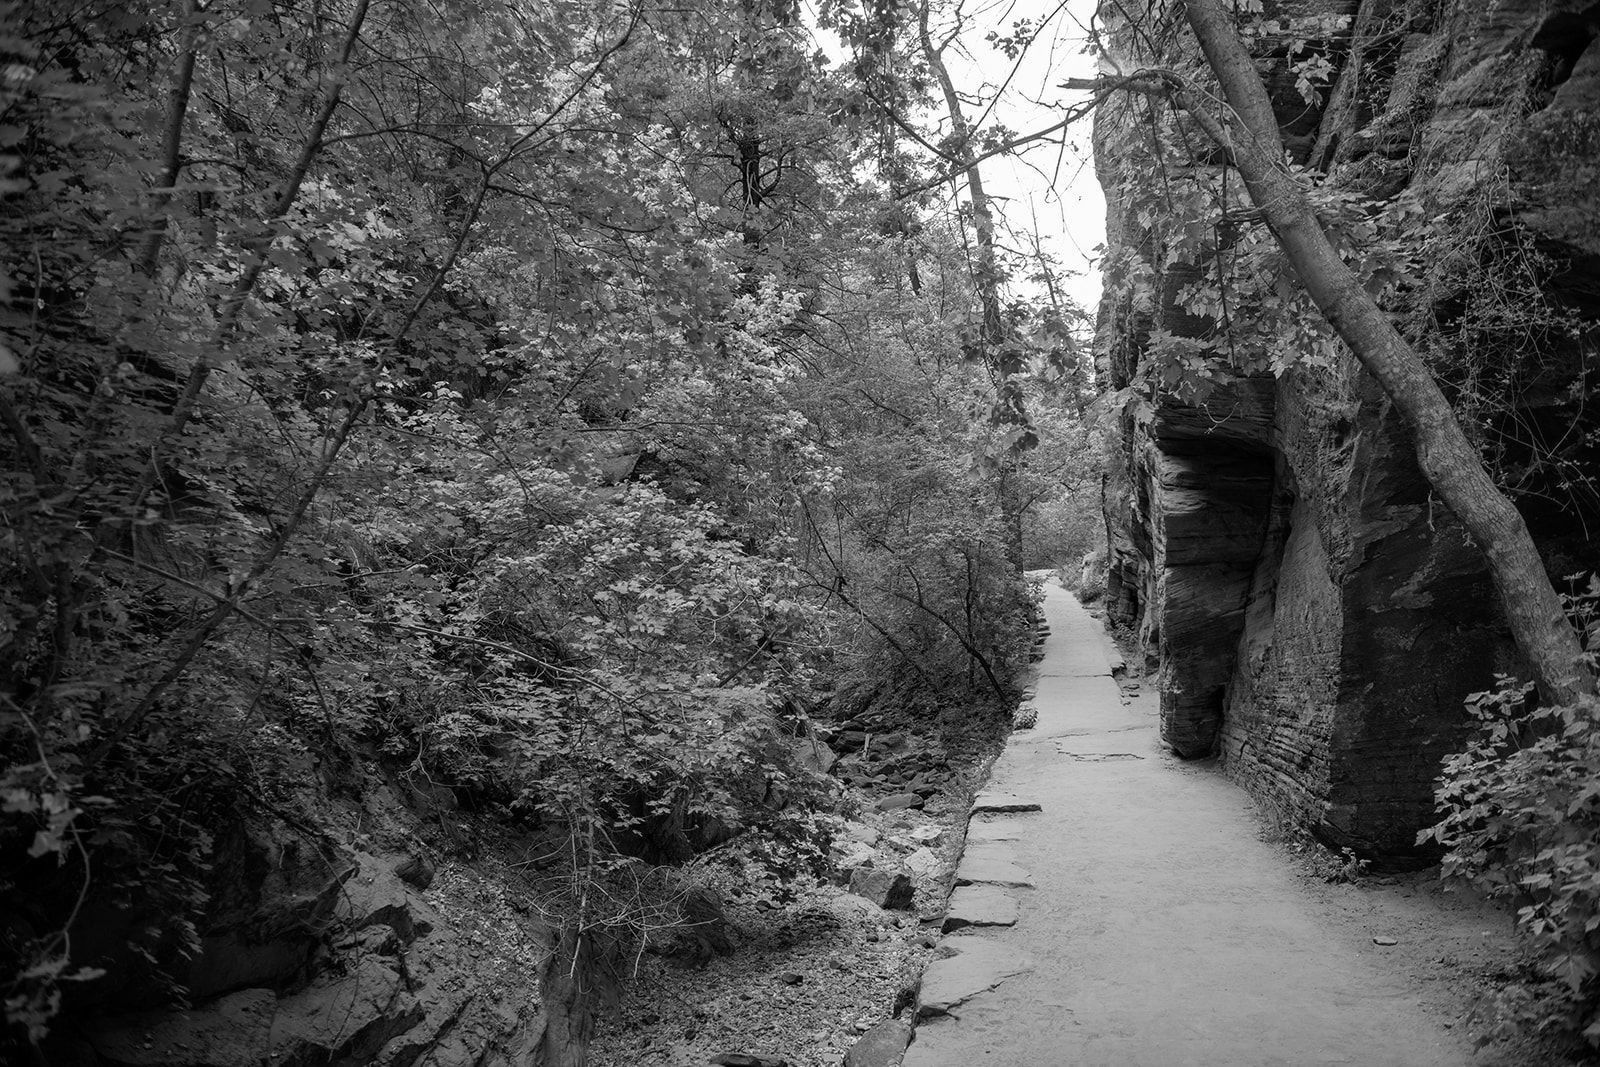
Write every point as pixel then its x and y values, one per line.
pixel 1161 928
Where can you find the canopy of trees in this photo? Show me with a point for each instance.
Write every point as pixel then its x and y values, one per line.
pixel 525 399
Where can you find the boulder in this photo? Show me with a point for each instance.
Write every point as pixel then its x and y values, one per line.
pixel 884 1045
pixel 850 740
pixel 416 871
pixel 899 801
pixel 887 889
pixel 851 855
pixel 922 862
pixel 813 754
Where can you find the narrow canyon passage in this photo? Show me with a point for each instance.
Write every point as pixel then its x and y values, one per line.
pixel 1159 928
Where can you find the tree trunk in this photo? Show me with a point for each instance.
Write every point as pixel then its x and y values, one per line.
pixel 987 279
pixel 1451 463
pixel 1003 359
pixel 567 986
pixel 172 135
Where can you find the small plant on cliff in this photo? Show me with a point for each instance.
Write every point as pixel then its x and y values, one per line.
pixel 1521 822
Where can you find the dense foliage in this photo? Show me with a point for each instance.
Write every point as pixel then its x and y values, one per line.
pixel 1521 821
pixel 531 404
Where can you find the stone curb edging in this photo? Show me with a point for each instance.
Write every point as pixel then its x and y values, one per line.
pixel 966 963
pixel 986 879
pixel 985 886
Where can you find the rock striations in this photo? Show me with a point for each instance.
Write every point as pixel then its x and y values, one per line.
pixel 1319 616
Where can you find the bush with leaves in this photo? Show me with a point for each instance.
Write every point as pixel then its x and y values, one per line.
pixel 1063 532
pixel 1521 821
pixel 905 544
pixel 496 426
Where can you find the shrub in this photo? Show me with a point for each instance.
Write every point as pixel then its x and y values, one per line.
pixel 1065 528
pixel 1521 821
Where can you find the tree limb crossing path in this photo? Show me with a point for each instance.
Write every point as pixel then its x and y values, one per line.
pixel 1154 926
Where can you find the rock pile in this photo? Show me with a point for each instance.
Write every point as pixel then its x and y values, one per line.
pixel 881 760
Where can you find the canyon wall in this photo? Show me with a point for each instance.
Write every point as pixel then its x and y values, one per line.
pixel 1318 615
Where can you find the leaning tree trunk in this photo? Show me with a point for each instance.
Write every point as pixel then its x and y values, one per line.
pixel 1452 465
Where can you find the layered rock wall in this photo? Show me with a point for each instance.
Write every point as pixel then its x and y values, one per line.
pixel 1319 616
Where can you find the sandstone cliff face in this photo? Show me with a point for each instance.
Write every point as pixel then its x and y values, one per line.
pixel 1319 616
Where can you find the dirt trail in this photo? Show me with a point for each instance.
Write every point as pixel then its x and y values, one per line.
pixel 1161 928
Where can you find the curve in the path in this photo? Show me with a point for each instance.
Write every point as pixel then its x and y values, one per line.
pixel 1153 926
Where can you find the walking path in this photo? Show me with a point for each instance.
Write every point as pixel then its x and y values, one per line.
pixel 1159 929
